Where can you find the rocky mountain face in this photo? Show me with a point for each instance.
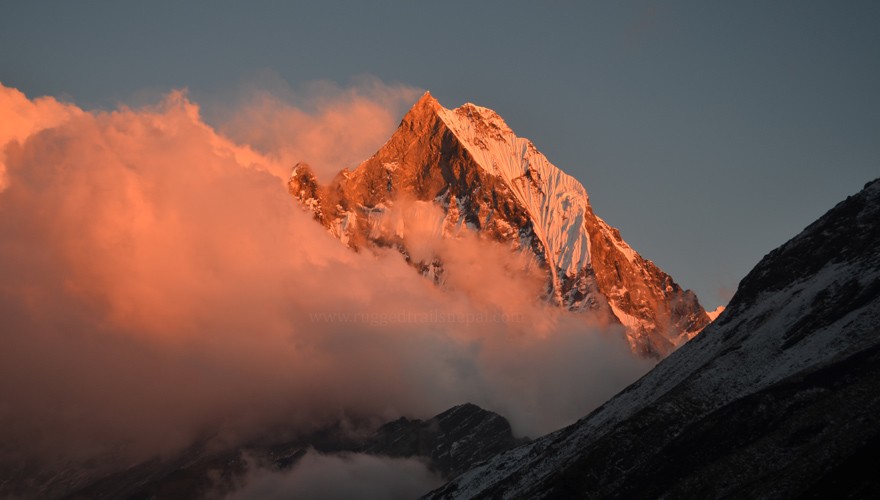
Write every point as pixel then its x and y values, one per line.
pixel 485 179
pixel 778 398
pixel 452 442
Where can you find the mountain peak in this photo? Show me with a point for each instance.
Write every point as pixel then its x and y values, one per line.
pixel 469 163
pixel 486 120
pixel 427 101
pixel 422 113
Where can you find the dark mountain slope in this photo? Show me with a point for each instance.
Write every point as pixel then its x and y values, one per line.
pixel 777 398
pixel 451 442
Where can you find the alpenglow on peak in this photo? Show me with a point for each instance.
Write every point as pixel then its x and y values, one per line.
pixel 468 162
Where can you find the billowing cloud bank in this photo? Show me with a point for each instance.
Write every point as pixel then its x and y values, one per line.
pixel 158 284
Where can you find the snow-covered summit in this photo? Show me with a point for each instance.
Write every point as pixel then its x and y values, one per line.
pixel 471 164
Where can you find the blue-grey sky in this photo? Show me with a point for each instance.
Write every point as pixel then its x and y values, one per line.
pixel 708 132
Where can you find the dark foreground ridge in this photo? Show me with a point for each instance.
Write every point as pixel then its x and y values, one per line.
pixel 779 398
pixel 450 443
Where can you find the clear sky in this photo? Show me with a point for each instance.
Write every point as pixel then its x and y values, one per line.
pixel 708 133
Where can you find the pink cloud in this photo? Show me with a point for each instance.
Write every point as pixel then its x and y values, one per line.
pixel 23 117
pixel 158 284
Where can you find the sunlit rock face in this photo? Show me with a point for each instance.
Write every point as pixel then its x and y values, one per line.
pixel 485 179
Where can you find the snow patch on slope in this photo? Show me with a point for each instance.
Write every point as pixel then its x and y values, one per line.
pixel 556 201
pixel 618 242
